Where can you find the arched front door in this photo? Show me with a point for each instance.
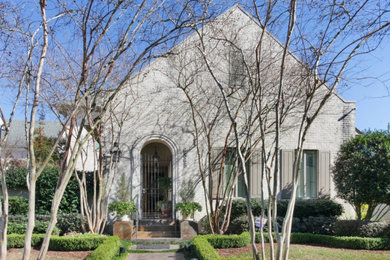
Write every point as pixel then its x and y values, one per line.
pixel 156 180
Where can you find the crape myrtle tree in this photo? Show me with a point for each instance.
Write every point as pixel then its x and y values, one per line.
pixel 362 173
pixel 78 70
pixel 325 36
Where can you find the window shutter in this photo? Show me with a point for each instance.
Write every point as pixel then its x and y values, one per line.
pixel 216 159
pixel 255 175
pixel 324 174
pixel 287 160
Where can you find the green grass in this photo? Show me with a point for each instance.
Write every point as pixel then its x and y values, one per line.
pixel 322 253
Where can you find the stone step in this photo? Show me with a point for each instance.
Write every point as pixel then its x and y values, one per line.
pixel 158 228
pixel 157 234
pixel 156 222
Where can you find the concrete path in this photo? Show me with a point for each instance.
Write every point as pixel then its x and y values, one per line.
pixel 159 256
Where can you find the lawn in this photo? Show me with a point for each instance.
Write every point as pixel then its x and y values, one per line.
pixel 315 252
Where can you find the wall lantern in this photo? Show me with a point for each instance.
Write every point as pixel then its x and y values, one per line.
pixel 116 152
pixel 155 156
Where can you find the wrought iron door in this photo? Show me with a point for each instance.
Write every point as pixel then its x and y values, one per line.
pixel 156 186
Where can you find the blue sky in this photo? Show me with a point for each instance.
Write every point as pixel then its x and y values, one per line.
pixel 369 86
pixel 367 82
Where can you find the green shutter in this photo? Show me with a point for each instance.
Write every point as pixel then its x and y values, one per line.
pixel 324 174
pixel 286 168
pixel 255 175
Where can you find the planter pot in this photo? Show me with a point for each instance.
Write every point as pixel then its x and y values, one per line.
pixel 125 218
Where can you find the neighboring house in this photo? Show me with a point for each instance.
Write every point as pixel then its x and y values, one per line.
pixel 17 147
pixel 17 142
pixel 158 139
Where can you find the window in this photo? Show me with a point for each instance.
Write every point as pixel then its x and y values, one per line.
pixel 307 179
pixel 230 170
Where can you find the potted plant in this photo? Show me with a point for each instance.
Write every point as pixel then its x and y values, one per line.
pixel 188 209
pixel 165 207
pixel 123 209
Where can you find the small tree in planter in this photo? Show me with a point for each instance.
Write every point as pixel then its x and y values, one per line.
pixel 122 209
pixel 188 209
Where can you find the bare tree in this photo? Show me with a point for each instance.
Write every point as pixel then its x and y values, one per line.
pixel 294 89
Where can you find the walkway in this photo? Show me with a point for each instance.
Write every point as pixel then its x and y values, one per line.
pixel 159 256
pixel 155 252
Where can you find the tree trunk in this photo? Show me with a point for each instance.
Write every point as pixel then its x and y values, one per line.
pixel 31 218
pixel 62 183
pixel 5 218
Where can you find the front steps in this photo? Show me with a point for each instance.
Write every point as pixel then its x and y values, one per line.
pixel 158 230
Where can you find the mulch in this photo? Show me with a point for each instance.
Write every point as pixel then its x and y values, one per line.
pixel 226 252
pixel 16 253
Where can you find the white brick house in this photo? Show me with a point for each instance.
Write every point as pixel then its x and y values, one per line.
pixel 158 139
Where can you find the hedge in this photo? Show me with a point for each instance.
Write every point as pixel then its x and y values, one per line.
pixel 204 245
pixel 367 243
pixel 107 250
pixel 229 241
pixel 203 249
pixel 61 243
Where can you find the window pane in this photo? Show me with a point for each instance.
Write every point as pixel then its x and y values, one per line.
pixel 307 179
pixel 311 174
pixel 241 186
pixel 301 180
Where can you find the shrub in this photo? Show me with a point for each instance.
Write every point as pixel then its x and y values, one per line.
pixel 67 243
pixel 203 249
pixel 312 208
pixel 107 250
pixel 361 228
pixel 238 225
pixel 314 225
pixel 81 242
pixel 17 205
pixel 367 243
pixel 46 184
pixel 40 228
pixel 229 241
pixel 303 208
pixel 17 240
pixel 65 222
pixel 69 222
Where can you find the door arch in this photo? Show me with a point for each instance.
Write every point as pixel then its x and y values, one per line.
pixel 156 165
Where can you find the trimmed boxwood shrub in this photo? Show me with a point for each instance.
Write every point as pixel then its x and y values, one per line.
pixel 107 250
pixel 17 240
pixel 80 242
pixel 228 241
pixel 61 243
pixel 367 243
pixel 203 249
